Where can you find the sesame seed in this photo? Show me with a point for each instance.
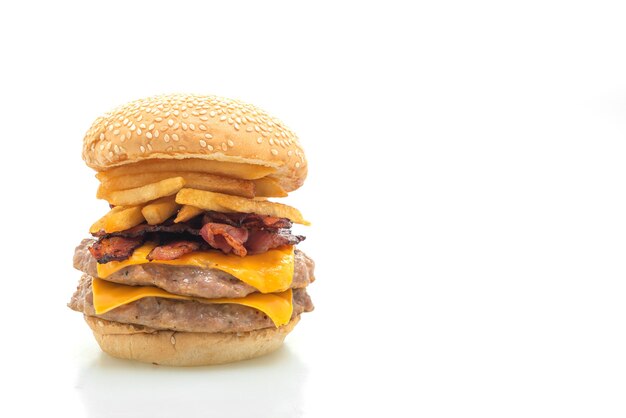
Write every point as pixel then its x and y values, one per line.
pixel 148 135
pixel 259 140
pixel 231 121
pixel 249 129
pixel 222 118
pixel 101 147
pixel 212 114
pixel 210 147
pixel 116 132
pixel 133 127
pixel 256 128
pixel 203 143
pixel 166 138
pixel 204 118
pixel 139 118
pixel 149 147
pixel 208 136
pixel 297 165
pixel 123 137
pixel 230 143
pixel 185 114
pixel 142 148
pixel 236 126
pixel 271 141
pixel 101 137
pixel 274 151
pixel 139 131
pixel 224 147
pixel 110 154
pixel 184 126
pixel 151 127
pixel 173 340
pixel 116 149
pixel 192 126
pixel 202 127
pixel 170 122
pixel 175 137
pixel 238 120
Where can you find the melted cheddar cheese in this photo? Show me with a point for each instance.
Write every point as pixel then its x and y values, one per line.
pixel 108 295
pixel 269 272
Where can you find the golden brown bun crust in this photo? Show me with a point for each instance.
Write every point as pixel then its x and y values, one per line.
pixel 171 348
pixel 191 126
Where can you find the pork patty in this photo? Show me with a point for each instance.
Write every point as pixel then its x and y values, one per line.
pixel 184 315
pixel 185 280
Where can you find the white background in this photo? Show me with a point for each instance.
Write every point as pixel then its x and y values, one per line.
pixel 466 188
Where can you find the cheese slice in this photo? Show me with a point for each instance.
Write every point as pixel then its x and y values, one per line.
pixel 108 295
pixel 269 272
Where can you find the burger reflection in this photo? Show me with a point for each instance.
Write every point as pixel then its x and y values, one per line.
pixel 268 386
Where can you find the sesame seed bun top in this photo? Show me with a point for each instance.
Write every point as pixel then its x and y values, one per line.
pixel 191 126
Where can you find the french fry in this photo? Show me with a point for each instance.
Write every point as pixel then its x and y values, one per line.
pixel 201 181
pixel 237 170
pixel 145 193
pixel 102 192
pixel 193 197
pixel 226 203
pixel 118 219
pixel 265 187
pixel 99 224
pixel 187 212
pixel 124 219
pixel 160 210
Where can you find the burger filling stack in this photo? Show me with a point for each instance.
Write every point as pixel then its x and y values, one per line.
pixel 193 264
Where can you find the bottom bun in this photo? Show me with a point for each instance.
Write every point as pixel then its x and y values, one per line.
pixel 173 348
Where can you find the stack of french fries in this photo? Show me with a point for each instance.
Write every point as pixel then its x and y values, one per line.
pixel 156 190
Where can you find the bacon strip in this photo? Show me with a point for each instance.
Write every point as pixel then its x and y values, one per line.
pixel 114 248
pixel 173 250
pixel 237 233
pixel 142 229
pixel 225 237
pixel 239 220
pixel 260 241
pixel 247 220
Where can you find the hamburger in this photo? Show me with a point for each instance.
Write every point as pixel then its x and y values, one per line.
pixel 193 264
